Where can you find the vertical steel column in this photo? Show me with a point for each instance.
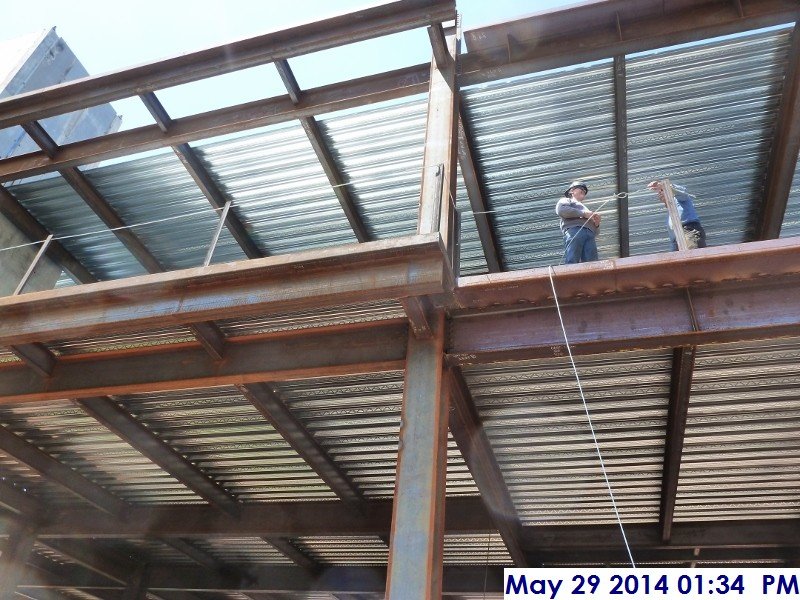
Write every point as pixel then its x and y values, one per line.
pixel 13 560
pixel 441 143
pixel 137 586
pixel 415 551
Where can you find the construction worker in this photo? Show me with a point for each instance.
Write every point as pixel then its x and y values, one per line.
pixel 578 224
pixel 693 231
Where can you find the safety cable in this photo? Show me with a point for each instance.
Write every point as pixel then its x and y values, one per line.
pixel 589 418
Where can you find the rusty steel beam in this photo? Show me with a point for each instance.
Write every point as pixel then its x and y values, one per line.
pixel 366 348
pixel 438 187
pixel 784 149
pixel 608 29
pixel 637 274
pixel 688 535
pixel 242 117
pixel 23 503
pixel 274 410
pixel 320 146
pixel 37 356
pixel 107 412
pixel 464 515
pixel 277 581
pixel 680 391
pixel 417 537
pixel 420 315
pixel 34 231
pixel 477 195
pixel 290 551
pixel 199 173
pixel 725 313
pixel 382 270
pixel 365 24
pixel 468 432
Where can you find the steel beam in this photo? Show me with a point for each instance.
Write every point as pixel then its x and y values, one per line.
pixel 359 349
pixel 37 356
pixel 608 29
pixel 106 411
pixel 627 276
pixel 365 24
pixel 326 159
pixel 274 410
pixel 242 117
pixel 468 432
pixel 680 391
pixel 438 187
pixel 725 313
pixel 198 172
pixel 477 195
pixel 784 149
pixel 391 269
pixel 417 538
pixel 464 515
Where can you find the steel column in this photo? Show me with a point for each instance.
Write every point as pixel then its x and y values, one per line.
pixel 417 539
pixel 12 561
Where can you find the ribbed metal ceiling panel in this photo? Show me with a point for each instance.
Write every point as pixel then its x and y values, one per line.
pixel 741 456
pixel 280 189
pixel 122 341
pixel 64 431
pixel 357 421
pixel 703 116
pixel 243 551
pixel 229 440
pixel 536 423
pixel 533 135
pixel 63 213
pixel 344 550
pixel 178 221
pixel 312 318
pixel 486 549
pixel 791 220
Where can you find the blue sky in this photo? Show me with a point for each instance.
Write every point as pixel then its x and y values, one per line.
pixel 108 36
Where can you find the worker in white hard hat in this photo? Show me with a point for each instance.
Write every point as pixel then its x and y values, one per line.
pixel 578 224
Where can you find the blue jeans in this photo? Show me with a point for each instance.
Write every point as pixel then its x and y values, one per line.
pixel 579 245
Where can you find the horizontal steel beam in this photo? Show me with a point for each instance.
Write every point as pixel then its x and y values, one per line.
pixel 274 519
pixel 383 270
pixel 724 313
pixel 625 276
pixel 608 29
pixel 241 117
pixel 359 349
pixel 687 535
pixel 365 24
pixel 272 579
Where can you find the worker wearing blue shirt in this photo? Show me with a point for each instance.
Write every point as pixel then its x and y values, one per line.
pixel 692 229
